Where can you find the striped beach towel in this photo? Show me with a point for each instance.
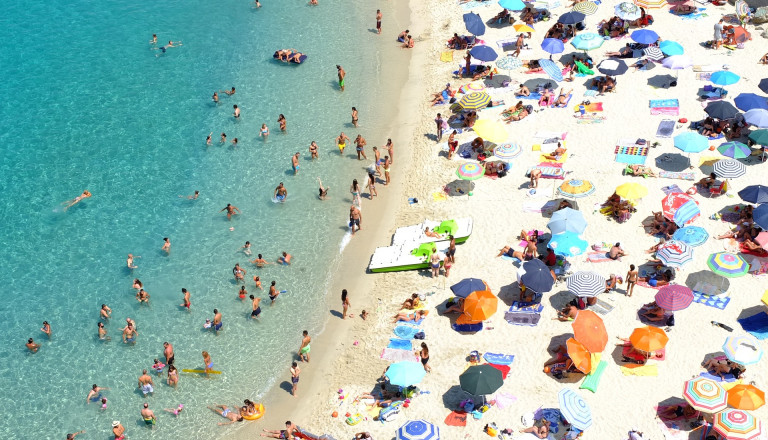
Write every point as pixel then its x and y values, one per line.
pixel 664 103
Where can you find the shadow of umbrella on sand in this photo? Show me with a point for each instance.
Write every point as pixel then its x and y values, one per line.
pixel 533 82
pixel 458 188
pixel 662 81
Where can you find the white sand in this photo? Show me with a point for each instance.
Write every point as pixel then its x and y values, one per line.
pixel 621 402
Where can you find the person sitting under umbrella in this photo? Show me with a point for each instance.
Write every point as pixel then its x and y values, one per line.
pixel 634 355
pixel 540 431
pixel 654 313
pixel 568 313
pixel 561 363
pixel 764 59
pixel 557 154
pixel 523 91
pixel 708 181
pixel 454 305
pixel 658 280
pixel 502 16
pixel 481 72
pixel 673 412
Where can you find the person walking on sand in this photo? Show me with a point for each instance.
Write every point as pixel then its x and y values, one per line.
pixel 256 309
pixel 468 65
pixel 186 302
pixel 378 21
pixel 631 279
pixel 424 356
pixel 304 348
pixel 360 144
pixel 295 371
pixel 295 163
pixel 354 117
pixel 385 167
pixel 435 263
pixel 355 218
pixel 371 186
pixel 344 304
pixel 231 210
pixel 439 121
pixel 166 245
pixel 342 74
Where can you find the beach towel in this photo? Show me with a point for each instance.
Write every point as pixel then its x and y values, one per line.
pixel 627 351
pixel 524 314
pixel 468 328
pixel 395 355
pixel 707 67
pixel 593 379
pixel 716 137
pixel 664 103
pixel 756 325
pixel 400 344
pixel 503 400
pixel 711 301
pixel 669 111
pixel 590 92
pixel 590 108
pixel 549 170
pixel 533 95
pixel 535 206
pixel 648 286
pixel 447 56
pixel 640 370
pixel 404 331
pixel 601 307
pixel 456 418
pixel 703 76
pixel 439 196
pixel 503 368
pixel 726 377
pixel 681 175
pixel 666 128
pixel 498 358
pixel 598 257
pixel 589 119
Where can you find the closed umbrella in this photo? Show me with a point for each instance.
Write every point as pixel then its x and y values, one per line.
pixel 568 244
pixel 721 110
pixel 552 45
pixel 754 194
pixel 480 305
pixel 727 264
pixel 483 53
pixel 749 101
pixel 537 276
pixel 674 297
pixel 551 69
pixel 648 338
pixel 463 288
pixel 674 253
pixel 734 150
pixel 589 329
pixel 737 424
pixel 729 169
pixel 743 349
pixel 406 373
pixel 470 171
pixel 567 219
pixel 627 11
pixel 680 208
pixel 651 4
pixel 571 18
pixel 507 151
pixel 759 137
pixel 474 24
pixel 705 395
pixel 746 397
pixel 691 235
pixel 586 8
pixel 631 191
pixel 480 380
pixel 757 117
pixel 574 409
pixel 644 36
pixel 671 48
pixel 580 356
pixel 512 5
pixel 613 67
pixel 587 41
pixel 418 430
pixel 585 284
pixel 576 188
pixel 724 78
pixel 491 130
pixel 475 100
pixel 653 53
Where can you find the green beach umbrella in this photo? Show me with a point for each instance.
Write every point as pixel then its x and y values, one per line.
pixel 480 380
pixel 759 137
pixel 734 150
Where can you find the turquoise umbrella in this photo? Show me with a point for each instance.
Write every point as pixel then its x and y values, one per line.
pixel 512 5
pixel 691 235
pixel 724 78
pixel 587 41
pixel 759 137
pixel 568 244
pixel 669 48
pixel 405 374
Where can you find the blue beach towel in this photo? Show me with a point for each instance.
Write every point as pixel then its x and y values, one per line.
pixel 400 344
pixel 468 328
pixel 533 95
pixel 711 301
pixel 727 377
pixel 404 331
pixel 631 159
pixel 756 325
pixel 664 103
pixel 498 358
pixel 666 128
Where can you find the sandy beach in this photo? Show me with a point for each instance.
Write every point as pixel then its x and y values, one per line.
pixel 349 353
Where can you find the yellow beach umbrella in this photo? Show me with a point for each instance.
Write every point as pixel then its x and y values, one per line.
pixel 523 28
pixel 765 298
pixel 631 191
pixel 491 130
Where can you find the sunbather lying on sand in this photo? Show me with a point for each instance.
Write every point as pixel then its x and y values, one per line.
pixel 562 98
pixel 410 316
pixel 641 170
pixel 654 314
pixel 528 253
pixel 721 367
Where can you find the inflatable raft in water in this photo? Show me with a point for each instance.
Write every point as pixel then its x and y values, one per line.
pixel 289 56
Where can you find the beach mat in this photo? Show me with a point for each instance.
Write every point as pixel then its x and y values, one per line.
pixel 456 418
pixel 503 368
pixel 522 318
pixel 711 301
pixel 703 76
pixel 666 128
pixel 658 355
pixel 446 57
pixel 669 111
pixel 756 325
pixel 681 175
pixel 395 355
pixel 593 379
pixel 726 377
pixel 631 159
pixel 590 108
pixel 598 257
pixel 404 331
pixel 498 358
pixel 400 344
pixel 640 370
pixel 662 408
pixel 669 189
pixel 549 170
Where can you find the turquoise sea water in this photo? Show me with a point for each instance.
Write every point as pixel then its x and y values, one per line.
pixel 88 105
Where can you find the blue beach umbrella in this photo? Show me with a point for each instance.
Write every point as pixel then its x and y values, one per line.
pixel 670 48
pixel 551 69
pixel 724 78
pixel 757 117
pixel 474 24
pixel 749 101
pixel 691 142
pixel 483 53
pixel 537 276
pixel 418 430
pixel 552 45
pixel 465 287
pixel 574 409
pixel 406 373
pixel 512 5
pixel 568 244
pixel 754 194
pixel 587 41
pixel 572 17
pixel 644 36
pixel 567 220
pixel 734 150
pixel 760 216
pixel 691 235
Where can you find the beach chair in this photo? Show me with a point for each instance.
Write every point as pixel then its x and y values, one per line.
pixel 716 189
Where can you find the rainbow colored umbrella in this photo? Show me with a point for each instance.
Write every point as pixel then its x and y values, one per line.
pixel 475 86
pixel 674 253
pixel 705 395
pixel 674 297
pixel 475 100
pixel 576 188
pixel 734 150
pixel 736 424
pixel 507 151
pixel 470 171
pixel 743 349
pixel 727 264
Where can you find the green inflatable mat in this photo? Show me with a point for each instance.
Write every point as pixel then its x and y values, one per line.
pixel 583 68
pixel 593 379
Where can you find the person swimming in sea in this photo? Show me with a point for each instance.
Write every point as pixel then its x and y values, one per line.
pixel 70 203
pixel 165 48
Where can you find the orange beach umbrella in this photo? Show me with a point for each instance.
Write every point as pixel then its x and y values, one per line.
pixel 579 354
pixel 480 305
pixel 648 338
pixel 589 330
pixel 746 397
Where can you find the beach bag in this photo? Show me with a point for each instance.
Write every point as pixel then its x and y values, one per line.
pixel 467 405
pixel 419 335
pixel 671 321
pixel 649 19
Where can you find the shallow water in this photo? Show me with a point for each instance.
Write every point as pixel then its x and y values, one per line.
pixel 88 105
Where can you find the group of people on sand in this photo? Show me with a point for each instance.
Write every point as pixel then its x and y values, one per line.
pixel 619 209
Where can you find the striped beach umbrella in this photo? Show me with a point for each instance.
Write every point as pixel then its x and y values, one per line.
pixel 743 349
pixel 680 208
pixel 653 53
pixel 551 69
pixel 507 151
pixel 470 171
pixel 670 48
pixel 727 264
pixel 674 253
pixel 729 169
pixel 691 235
pixel 574 409
pixel 474 86
pixel 742 8
pixel 734 150
pixel 627 11
pixel 418 430
pixel 576 188
pixel 475 100
pixel 705 395
pixel 568 244
pixel 586 8
pixel 567 219
pixel 746 397
pixel 587 41
pixel 674 297
pixel 588 284
pixel 737 424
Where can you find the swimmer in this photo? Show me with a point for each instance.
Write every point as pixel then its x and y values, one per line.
pixel 227 413
pixel 260 261
pixel 105 312
pixel 103 332
pixel 148 415
pixel 323 191
pixel 313 150
pixel 46 329
pixel 281 120
pixel 208 139
pixel 295 371
pixel 255 310
pixel 341 142
pixel 70 203
pixel 129 262
pixel 280 193
pixel 239 273
pixel 242 293
pixel 229 92
pixel 95 394
pixel 175 411
pixel 129 334
pixel 257 4
pixel 215 97
pixel 217 324
pixel 236 113
pixel 137 284
pixel 173 376
pixel 273 293
pixel 158 367
pixel 304 348
pixel 247 248
pixel 234 142
pixel 231 210
pixel 118 430
pixel 264 132
pixel 75 434
pixel 192 197
pixel 170 44
pixel 166 245
pixel 142 296
pixel 342 74
pixel 285 258
pixel 207 362
pixel 186 302
pixel 257 281
pixel 154 39
pixel 32 346
pixel 223 138
pixel 295 163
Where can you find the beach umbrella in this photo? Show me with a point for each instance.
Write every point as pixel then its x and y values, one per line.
pixel 627 11
pixel 571 18
pixel 576 188
pixel 735 150
pixel 586 8
pixel 710 282
pixel 483 53
pixel 512 5
pixel 506 151
pixel 470 171
pixel 648 338
pixel 523 28
pixel 729 169
pixel 587 41
pixel 551 69
pixel 644 36
pixel 613 67
pixel 418 430
pixel 691 142
pixel 743 349
pixel 406 373
pixel 508 63
pixel 480 305
pixel 742 8
pixel 760 216
pixel 763 85
pixel 585 284
pixel 474 24
pixel 721 110
pixel 474 86
pixel 589 329
pixel 574 409
pixel 757 117
pixel 475 100
pixel 677 62
pixel 705 395
pixel 680 208
pixel 674 253
pixel 727 264
pixel 567 219
pixel 631 191
pixel 552 45
pixel 736 424
pixel 762 240
pixel 580 356
pixel 491 130
pixel 463 288
pixel 653 53
pixel 746 397
pixel 691 235
pixel 671 48
pixel 759 137
pixel 724 78
pixel 568 244
pixel 764 299
pixel 674 297
pixel 651 4
pixel 749 101
pixel 537 276
pixel 754 194
pixel 480 380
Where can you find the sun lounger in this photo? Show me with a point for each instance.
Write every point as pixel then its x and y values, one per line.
pixel 468 328
pixel 756 325
pixel 593 379
pixel 681 175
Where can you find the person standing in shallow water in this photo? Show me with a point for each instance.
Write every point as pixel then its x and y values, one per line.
pixel 378 21
pixel 342 74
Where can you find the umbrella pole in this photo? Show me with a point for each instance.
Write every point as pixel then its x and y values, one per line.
pixel 469 190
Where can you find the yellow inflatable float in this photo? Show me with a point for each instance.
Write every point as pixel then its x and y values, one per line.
pixel 258 414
